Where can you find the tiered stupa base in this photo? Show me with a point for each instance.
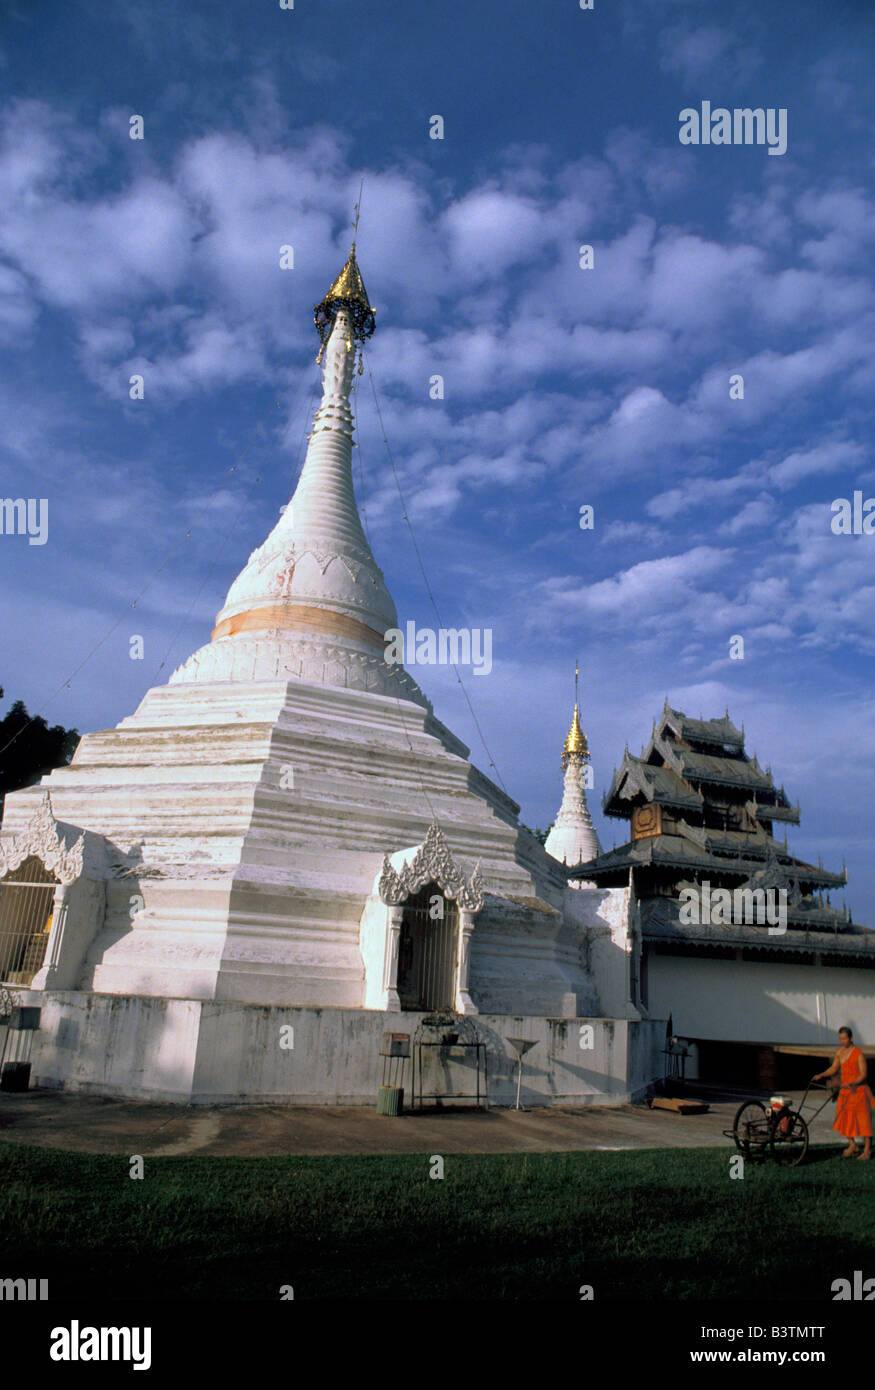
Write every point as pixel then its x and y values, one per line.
pixel 248 823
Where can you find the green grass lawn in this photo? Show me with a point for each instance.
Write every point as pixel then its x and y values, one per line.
pixel 654 1224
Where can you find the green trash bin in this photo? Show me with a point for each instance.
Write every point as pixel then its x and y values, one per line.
pixel 395 1051
pixel 390 1100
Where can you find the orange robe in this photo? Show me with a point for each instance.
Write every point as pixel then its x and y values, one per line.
pixel 853 1117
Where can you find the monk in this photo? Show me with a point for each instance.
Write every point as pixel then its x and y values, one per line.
pixel 853 1117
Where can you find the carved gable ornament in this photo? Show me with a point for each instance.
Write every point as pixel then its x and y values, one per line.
pixel 432 863
pixel 634 782
pixel 774 876
pixel 43 839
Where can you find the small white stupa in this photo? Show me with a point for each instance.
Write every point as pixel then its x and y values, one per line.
pixel 573 839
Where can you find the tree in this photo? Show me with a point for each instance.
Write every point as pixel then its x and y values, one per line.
pixel 540 835
pixel 36 749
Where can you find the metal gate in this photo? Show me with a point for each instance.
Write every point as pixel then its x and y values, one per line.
pixel 26 904
pixel 427 951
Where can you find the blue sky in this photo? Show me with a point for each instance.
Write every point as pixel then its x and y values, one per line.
pixel 563 386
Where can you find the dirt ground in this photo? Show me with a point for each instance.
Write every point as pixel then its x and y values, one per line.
pixel 101 1125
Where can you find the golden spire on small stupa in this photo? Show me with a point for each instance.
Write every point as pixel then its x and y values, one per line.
pixel 575 745
pixel 348 291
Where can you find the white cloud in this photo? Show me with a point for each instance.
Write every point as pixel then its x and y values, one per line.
pixel 643 588
pixel 827 457
pixel 694 53
pixel 845 217
pixel 489 231
pixel 18 309
pixel 753 518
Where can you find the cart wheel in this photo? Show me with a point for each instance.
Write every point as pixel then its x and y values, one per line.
pixel 749 1128
pixel 789 1143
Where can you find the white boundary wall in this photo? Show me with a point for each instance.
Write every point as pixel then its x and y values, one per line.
pixel 749 1001
pixel 205 1052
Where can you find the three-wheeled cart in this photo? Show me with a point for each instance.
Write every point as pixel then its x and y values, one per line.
pixel 777 1129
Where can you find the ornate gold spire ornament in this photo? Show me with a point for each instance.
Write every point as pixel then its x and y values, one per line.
pixel 575 745
pixel 348 291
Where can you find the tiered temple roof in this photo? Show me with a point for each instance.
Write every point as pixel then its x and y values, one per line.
pixel 686 757
pixel 701 809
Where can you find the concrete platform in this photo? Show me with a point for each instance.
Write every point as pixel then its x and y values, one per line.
pixel 222 1053
pixel 101 1125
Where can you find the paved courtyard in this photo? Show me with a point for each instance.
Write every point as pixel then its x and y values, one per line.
pixel 100 1125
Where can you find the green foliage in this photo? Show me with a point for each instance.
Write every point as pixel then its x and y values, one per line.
pixel 540 835
pixel 36 750
pixel 655 1224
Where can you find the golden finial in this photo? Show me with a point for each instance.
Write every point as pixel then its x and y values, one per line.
pixel 575 745
pixel 348 291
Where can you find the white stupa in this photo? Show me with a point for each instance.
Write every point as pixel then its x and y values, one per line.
pixel 312 602
pixel 277 828
pixel 572 838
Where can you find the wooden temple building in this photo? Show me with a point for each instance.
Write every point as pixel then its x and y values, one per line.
pixel 704 815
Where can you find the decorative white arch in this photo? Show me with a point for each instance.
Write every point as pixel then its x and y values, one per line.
pixel 431 863
pixel 42 839
pixel 402 876
pixel 76 858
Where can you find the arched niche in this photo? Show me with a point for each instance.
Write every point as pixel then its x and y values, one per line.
pixel 65 872
pixel 400 888
pixel 427 950
pixel 27 906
